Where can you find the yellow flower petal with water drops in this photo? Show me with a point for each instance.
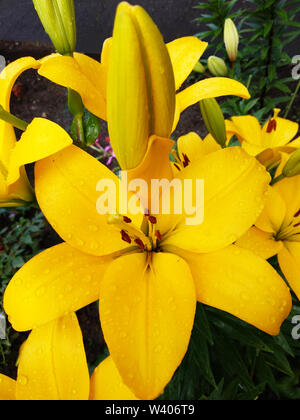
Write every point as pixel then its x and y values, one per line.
pixel 260 243
pixel 66 190
pixel 147 314
pixel 7 388
pixel 52 363
pixel 81 73
pixel 289 189
pixel 107 384
pixel 243 284
pixel 247 128
pixel 289 261
pixel 274 213
pixel 41 139
pixel 57 281
pixel 234 195
pixel 185 53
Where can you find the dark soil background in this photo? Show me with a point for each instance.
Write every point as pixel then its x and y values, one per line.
pixel 34 96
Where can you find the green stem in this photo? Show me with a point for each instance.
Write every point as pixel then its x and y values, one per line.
pixel 292 100
pixel 277 179
pixel 11 119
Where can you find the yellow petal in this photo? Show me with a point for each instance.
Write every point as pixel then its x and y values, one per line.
pixel 185 54
pixel 260 243
pixel 52 363
pixel 7 388
pixel 55 282
pixel 18 194
pixel 107 384
pixel 234 195
pixel 140 96
pixel 237 281
pixel 289 261
pixel 211 88
pixel 8 78
pixel 289 189
pixel 247 128
pixel 192 146
pixel 105 53
pixel 273 215
pixel 147 315
pixel 82 74
pixel 41 139
pixel 66 190
pixel 285 131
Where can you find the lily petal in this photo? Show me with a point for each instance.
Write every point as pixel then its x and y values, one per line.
pixel 260 243
pixel 192 146
pixel 66 186
pixel 81 73
pixel 274 213
pixel 8 78
pixel 234 194
pixel 107 384
pixel 285 131
pixel 208 88
pixel 147 315
pixel 7 388
pixel 289 261
pixel 237 281
pixel 55 282
pixel 289 189
pixel 185 53
pixel 52 363
pixel 41 139
pixel 247 128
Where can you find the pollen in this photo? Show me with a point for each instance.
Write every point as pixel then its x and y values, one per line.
pixel 272 126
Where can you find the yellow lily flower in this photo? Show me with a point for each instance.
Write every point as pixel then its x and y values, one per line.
pixel 137 61
pixel 148 275
pixel 277 230
pixel 267 142
pixel 52 366
pixel 41 139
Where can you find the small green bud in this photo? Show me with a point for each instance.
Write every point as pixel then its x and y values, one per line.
pixel 231 39
pixel 214 120
pixel 58 20
pixel 217 66
pixel 292 167
pixel 199 68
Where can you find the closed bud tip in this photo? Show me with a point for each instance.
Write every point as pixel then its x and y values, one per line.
pixel 217 66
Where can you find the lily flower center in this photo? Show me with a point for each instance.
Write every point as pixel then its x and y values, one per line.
pixel 146 238
pixel 292 230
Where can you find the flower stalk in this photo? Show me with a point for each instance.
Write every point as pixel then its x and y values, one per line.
pixel 11 119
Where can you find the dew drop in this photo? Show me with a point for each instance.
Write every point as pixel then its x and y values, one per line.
pixel 22 380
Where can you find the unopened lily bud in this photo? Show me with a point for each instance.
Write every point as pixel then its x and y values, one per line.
pixel 231 39
pixel 199 68
pixel 141 86
pixel 58 20
pixel 214 120
pixel 217 66
pixel 292 167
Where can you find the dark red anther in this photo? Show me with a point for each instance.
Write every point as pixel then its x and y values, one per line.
pixel 153 220
pixel 140 243
pixel 127 219
pixel 146 213
pixel 186 160
pixel 272 125
pixel 125 237
pixel 158 235
pixel 297 214
pixel 177 166
pixel 296 225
